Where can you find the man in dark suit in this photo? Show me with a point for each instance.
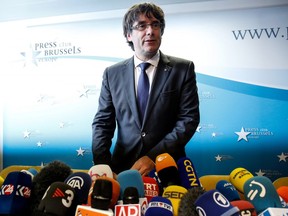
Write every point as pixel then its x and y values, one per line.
pixel 172 112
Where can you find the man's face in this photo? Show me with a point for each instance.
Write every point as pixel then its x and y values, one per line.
pixel 147 41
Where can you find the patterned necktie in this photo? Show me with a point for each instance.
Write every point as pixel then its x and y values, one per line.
pixel 143 88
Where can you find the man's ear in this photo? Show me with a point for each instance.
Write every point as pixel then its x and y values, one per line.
pixel 129 37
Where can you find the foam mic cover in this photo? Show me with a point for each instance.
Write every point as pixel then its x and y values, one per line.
pixel 58 200
pixel 31 171
pixel 238 177
pixel 100 170
pixel 174 193
pixel 186 205
pixel 102 194
pixel 130 196
pixel 53 172
pixel 261 192
pixel 151 188
pixel 187 173
pixel 115 191
pixel 283 193
pixel 81 182
pixel 213 203
pixel 15 193
pixel 130 178
pixel 167 170
pixel 159 206
pixel 245 207
pixel 1 181
pixel 228 190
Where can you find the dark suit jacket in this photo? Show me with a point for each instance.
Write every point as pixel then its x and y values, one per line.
pixel 172 114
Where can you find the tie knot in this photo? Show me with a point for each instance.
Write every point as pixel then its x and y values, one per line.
pixel 144 65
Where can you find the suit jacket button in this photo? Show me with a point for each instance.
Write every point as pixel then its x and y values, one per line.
pixel 143 134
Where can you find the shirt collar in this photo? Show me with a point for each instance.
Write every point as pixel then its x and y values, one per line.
pixel 153 61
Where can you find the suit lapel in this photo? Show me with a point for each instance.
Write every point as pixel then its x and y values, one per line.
pixel 129 85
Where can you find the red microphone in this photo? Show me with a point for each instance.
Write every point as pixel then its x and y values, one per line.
pixel 151 187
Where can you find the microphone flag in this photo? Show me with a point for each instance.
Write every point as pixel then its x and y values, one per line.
pixel 159 206
pixel 58 200
pixel 151 188
pixel 238 177
pixel 261 192
pixel 15 193
pixel 213 203
pixel 81 182
pixel 187 173
pixel 228 190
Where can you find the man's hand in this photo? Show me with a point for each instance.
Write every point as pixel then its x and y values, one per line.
pixel 144 165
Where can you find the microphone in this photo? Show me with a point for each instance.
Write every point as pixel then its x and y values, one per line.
pixel 261 192
pixel 174 193
pixel 31 171
pixel 88 211
pixel 283 193
pixel 167 170
pixel 115 191
pixel 52 172
pixel 130 178
pixel 15 193
pixel 1 181
pixel 127 210
pixel 100 170
pixel 153 174
pixel 228 190
pixel 238 177
pixel 58 200
pixel 245 207
pixel 213 203
pixel 186 205
pixel 130 196
pixel 159 206
pixel 151 188
pixel 81 182
pixel 187 173
pixel 102 194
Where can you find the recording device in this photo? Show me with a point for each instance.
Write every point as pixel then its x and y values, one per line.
pixel 174 193
pixel 58 200
pixel 31 171
pixel 261 192
pixel 187 173
pixel 283 193
pixel 238 177
pixel 102 194
pixel 151 188
pixel 130 196
pixel 186 205
pixel 167 170
pixel 213 203
pixel 15 193
pixel 81 182
pixel 228 190
pixel 159 206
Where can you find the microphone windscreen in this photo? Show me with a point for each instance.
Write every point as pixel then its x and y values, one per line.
pixel 102 194
pixel 238 177
pixel 81 182
pixel 1 181
pixel 261 192
pixel 159 206
pixel 186 205
pixel 55 171
pixel 58 200
pixel 228 190
pixel 283 192
pixel 167 170
pixel 151 188
pixel 130 178
pixel 245 207
pixel 15 193
pixel 100 170
pixel 130 196
pixel 174 193
pixel 187 173
pixel 31 171
pixel 213 203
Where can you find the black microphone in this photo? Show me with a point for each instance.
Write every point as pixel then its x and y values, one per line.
pixel 131 195
pixel 102 194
